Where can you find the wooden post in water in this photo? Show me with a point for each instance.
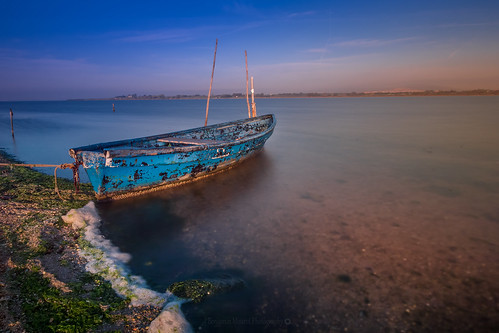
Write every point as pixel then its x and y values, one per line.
pixel 113 108
pixel 253 105
pixel 211 83
pixel 12 122
pixel 247 98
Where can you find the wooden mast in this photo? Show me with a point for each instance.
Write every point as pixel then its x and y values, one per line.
pixel 253 105
pixel 211 83
pixel 247 94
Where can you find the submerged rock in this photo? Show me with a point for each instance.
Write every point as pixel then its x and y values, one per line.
pixel 197 290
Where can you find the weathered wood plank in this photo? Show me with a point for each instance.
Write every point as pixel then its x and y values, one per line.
pixel 189 141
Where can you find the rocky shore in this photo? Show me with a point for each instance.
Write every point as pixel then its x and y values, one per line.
pixel 43 283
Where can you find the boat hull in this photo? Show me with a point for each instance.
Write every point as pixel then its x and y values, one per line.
pixel 123 168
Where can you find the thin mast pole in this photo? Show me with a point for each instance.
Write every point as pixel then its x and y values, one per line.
pixel 211 83
pixel 247 93
pixel 253 105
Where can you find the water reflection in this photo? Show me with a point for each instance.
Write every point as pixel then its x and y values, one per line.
pixel 162 220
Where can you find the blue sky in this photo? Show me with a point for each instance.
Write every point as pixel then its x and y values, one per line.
pixel 83 49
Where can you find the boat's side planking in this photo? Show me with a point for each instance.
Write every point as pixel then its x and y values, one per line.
pixel 138 164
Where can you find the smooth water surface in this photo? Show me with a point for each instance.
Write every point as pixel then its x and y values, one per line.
pixel 45 131
pixel 365 214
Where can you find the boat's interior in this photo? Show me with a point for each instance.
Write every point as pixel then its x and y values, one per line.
pixel 207 135
pixel 188 141
pixel 202 136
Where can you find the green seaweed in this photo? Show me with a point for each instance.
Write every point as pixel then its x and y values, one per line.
pixel 91 301
pixel 196 290
pixel 25 185
pixel 48 309
pixel 89 304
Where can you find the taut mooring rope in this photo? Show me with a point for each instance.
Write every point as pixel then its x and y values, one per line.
pixel 73 166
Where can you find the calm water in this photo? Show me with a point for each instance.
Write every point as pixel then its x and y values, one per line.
pixel 366 214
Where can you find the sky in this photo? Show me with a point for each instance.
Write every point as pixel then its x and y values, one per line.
pixel 56 50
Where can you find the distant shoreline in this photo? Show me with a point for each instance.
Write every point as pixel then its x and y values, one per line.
pixel 131 97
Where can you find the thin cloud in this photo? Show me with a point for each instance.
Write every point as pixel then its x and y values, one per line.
pixel 12 53
pixel 298 14
pixel 466 25
pixel 168 35
pixel 319 63
pixel 373 42
pixel 22 61
pixel 186 35
pixel 238 8
pixel 228 30
pixel 452 55
pixel 322 50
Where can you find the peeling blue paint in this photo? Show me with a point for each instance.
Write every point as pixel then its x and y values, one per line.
pixel 138 164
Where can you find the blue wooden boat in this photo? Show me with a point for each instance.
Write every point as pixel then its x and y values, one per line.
pixel 120 168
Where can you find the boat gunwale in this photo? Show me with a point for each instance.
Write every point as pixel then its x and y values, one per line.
pixel 107 147
pixel 154 151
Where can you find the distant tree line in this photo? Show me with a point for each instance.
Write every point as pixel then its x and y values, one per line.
pixel 475 92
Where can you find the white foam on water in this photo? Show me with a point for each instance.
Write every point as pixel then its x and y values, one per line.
pixel 170 319
pixel 105 259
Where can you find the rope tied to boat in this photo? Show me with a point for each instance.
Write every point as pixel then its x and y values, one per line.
pixel 74 166
pixel 76 176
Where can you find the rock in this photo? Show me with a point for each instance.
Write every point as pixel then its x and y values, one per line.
pixel 197 290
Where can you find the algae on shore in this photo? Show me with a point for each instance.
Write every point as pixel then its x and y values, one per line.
pixel 197 290
pixel 43 284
